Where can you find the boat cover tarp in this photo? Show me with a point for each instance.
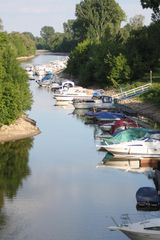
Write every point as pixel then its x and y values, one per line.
pixel 146 195
pixel 126 135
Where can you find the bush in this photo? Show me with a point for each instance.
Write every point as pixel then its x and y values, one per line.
pixel 15 95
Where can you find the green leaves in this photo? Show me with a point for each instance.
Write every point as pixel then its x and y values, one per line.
pixel 95 17
pixel 22 44
pixel 118 69
pixel 15 96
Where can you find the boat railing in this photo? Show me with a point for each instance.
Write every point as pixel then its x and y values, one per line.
pixel 129 218
pixel 132 92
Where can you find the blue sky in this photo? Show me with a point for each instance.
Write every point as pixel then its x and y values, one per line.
pixel 32 15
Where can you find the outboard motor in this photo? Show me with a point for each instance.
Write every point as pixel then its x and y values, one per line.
pixel 148 198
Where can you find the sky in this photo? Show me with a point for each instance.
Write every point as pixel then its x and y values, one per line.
pixel 32 15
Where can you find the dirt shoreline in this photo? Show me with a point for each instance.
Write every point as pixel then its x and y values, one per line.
pixel 23 127
pixel 143 109
pixel 148 110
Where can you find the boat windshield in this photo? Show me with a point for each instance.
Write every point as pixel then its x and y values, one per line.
pixel 155 228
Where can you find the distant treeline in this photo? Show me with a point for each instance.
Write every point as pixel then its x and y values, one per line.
pixel 15 96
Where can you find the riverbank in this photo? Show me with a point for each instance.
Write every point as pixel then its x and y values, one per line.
pixel 148 110
pixel 133 105
pixel 23 127
pixel 136 106
pixel 25 58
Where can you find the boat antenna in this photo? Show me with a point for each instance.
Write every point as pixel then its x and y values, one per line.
pixel 114 221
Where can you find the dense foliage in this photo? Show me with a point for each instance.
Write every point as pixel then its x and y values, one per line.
pixel 117 55
pixel 96 17
pixel 15 96
pixel 22 44
pixel 101 51
pixel 55 41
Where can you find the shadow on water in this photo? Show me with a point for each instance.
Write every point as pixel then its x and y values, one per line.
pixel 14 157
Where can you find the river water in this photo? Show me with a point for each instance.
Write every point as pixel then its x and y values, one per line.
pixel 53 187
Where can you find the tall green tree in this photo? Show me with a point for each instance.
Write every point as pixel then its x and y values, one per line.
pixel 47 32
pixel 68 29
pixel 143 50
pixel 96 17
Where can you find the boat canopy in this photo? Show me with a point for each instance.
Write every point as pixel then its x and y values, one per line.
pixel 126 135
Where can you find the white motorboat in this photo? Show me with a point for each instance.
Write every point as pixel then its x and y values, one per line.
pixel 104 102
pixel 145 147
pixel 47 80
pixel 72 93
pixel 30 72
pixel 148 229
pixel 60 87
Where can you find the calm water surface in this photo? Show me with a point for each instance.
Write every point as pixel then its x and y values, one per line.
pixel 51 187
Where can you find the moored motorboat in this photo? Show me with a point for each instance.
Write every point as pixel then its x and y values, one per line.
pixel 104 102
pixel 148 146
pixel 61 86
pixel 72 93
pixel 148 229
pixel 105 116
pixel 47 80
pixel 119 140
pixel 119 125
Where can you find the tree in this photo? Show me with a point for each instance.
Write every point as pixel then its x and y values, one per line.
pixel 136 22
pixel 22 44
pixel 79 57
pixel 15 96
pixel 96 17
pixel 68 29
pixel 55 41
pixel 30 35
pixel 155 6
pixel 47 33
pixel 118 70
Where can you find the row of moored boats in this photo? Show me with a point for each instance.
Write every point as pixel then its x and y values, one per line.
pixel 121 136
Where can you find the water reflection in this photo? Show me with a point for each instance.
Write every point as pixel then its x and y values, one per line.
pixel 139 165
pixel 13 167
pixel 43 59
